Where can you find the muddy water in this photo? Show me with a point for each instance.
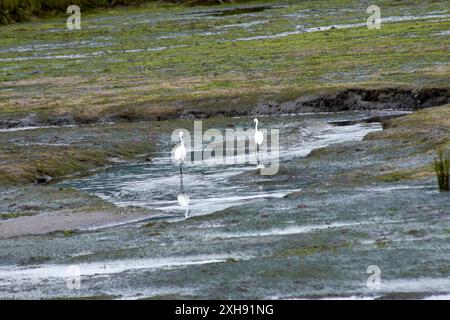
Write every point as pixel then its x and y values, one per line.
pixel 244 239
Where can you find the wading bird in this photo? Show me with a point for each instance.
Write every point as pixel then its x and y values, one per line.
pixel 180 152
pixel 259 138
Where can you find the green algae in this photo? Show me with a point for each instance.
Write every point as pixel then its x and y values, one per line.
pixel 312 250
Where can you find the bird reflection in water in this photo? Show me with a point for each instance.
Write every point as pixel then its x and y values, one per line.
pixel 183 198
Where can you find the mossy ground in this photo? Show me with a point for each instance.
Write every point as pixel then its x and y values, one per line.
pixel 36 155
pixel 137 63
pixel 20 201
pixel 403 152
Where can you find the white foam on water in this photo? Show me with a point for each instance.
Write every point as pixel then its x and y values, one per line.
pixel 52 57
pixel 332 135
pixel 416 285
pixel 88 54
pixel 352 297
pixel 11 274
pixel 34 128
pixel 438 297
pixel 395 188
pixel 136 294
pixel 347 298
pixel 286 231
pixel 302 29
pixel 442 33
pixel 53 46
pixel 242 25
pixel 210 184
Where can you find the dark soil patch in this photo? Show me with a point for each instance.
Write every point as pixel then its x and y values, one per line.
pixel 344 100
pixel 360 99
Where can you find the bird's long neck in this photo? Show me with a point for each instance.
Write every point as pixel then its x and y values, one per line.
pixel 256 126
pixel 182 142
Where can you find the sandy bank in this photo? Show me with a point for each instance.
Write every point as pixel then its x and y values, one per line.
pixel 70 221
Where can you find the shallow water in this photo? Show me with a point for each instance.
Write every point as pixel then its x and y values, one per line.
pixel 209 183
pixel 243 253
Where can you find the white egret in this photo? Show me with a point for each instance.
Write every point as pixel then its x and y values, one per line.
pixel 180 155
pixel 180 152
pixel 258 134
pixel 259 138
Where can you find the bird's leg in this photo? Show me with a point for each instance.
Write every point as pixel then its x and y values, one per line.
pixel 181 168
pixel 181 183
pixel 257 153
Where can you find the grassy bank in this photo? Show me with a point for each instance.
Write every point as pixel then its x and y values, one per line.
pixel 38 156
pixel 422 133
pixel 402 155
pixel 157 61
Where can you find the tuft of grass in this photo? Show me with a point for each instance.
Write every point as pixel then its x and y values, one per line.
pixel 382 243
pixel 442 169
pixel 312 250
pixel 6 216
pixel 68 233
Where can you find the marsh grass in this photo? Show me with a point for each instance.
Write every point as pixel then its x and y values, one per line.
pixel 442 169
